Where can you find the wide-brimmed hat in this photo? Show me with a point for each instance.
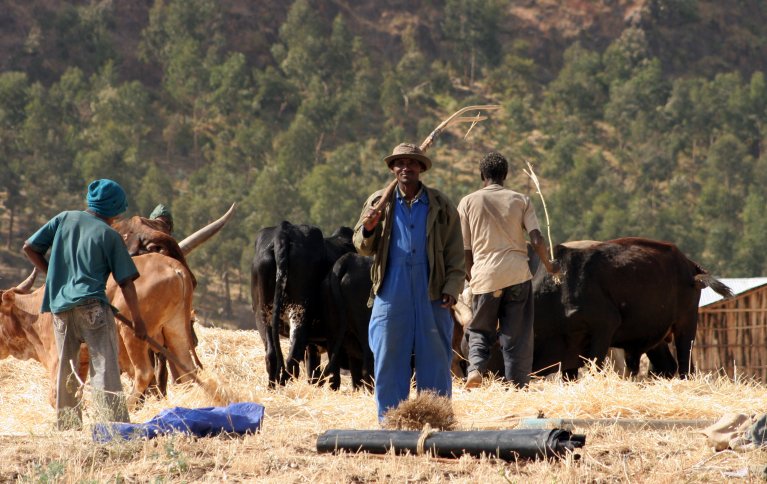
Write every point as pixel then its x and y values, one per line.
pixel 408 150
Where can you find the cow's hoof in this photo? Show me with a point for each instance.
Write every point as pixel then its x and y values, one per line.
pixel 283 380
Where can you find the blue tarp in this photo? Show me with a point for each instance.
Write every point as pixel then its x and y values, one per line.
pixel 236 418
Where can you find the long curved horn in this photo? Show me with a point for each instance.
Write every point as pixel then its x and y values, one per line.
pixel 198 238
pixel 26 286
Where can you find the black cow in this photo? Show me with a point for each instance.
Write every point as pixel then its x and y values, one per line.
pixel 347 289
pixel 339 243
pixel 631 293
pixel 289 265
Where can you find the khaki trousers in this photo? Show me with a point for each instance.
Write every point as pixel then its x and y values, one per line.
pixel 91 323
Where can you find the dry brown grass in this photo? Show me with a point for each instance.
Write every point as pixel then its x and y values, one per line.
pixel 425 408
pixel 296 414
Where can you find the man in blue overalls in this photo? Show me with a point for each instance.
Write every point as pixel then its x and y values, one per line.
pixel 417 273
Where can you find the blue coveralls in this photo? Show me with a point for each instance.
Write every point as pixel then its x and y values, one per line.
pixel 404 321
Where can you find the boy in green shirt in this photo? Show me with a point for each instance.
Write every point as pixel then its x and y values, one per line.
pixel 84 251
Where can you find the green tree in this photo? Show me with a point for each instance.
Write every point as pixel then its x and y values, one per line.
pixel 296 148
pixel 673 13
pixel 724 185
pixel 471 30
pixel 303 51
pixel 13 99
pixel 757 94
pixel 689 113
pixel 751 247
pixel 276 97
pixel 185 38
pixel 578 90
pixel 116 133
pixel 633 105
pixel 274 196
pixel 48 134
pixel 624 55
pixel 589 202
pixel 210 193
pixel 154 187
pixel 336 190
pixel 391 98
pixel 517 74
pixel 70 36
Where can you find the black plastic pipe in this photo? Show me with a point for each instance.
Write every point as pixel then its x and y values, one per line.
pixel 502 444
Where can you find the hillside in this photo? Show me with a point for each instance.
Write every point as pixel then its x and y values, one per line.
pixel 45 36
pixel 641 118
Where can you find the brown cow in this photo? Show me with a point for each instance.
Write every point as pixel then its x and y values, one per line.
pixel 165 296
pixel 143 235
pixel 25 333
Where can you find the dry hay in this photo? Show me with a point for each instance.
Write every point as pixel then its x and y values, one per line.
pixel 426 408
pixel 295 415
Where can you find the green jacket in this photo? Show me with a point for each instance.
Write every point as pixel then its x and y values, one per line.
pixel 444 244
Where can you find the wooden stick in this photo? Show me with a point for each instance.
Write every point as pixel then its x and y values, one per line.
pixel 454 119
pixel 210 387
pixel 533 177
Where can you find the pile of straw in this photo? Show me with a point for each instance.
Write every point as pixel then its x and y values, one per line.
pixel 425 408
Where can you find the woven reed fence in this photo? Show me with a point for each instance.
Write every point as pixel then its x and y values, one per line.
pixel 732 336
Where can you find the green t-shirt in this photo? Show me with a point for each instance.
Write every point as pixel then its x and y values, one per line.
pixel 84 252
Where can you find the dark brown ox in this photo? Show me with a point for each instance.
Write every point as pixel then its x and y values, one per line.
pixel 631 293
pixel 144 235
pixel 165 298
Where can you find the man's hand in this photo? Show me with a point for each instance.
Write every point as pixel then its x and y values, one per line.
pixel 553 266
pixel 131 299
pixel 373 217
pixel 448 301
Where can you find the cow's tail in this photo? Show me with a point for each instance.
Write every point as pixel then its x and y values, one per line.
pixel 281 257
pixel 707 280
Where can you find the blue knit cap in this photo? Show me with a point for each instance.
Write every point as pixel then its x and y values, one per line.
pixel 106 198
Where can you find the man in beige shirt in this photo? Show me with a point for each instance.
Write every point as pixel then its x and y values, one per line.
pixel 494 221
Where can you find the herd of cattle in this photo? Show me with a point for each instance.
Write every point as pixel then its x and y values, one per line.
pixel 631 293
